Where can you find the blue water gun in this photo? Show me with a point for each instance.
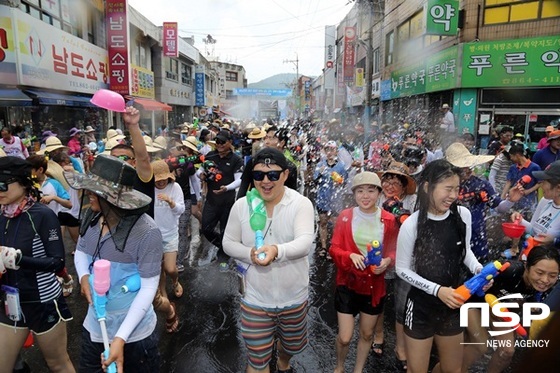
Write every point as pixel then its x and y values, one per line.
pixel 373 258
pixel 100 282
pixel 475 284
pixel 259 242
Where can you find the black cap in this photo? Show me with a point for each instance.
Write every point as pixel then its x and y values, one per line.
pixel 11 167
pixel 552 171
pixel 269 156
pixel 224 135
pixel 203 134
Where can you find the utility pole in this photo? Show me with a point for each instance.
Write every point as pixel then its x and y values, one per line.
pixel 296 63
pixel 369 74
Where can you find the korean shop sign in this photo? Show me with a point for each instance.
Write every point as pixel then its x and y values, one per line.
pixel 8 63
pixel 117 45
pixel 409 81
pixel 518 62
pixel 442 70
pixel 442 17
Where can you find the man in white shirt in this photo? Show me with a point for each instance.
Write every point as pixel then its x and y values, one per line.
pixel 274 287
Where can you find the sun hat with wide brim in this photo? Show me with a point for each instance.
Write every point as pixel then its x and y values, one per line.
pixel 113 134
pixel 190 143
pixel 150 145
pixel 160 142
pixel 111 179
pixel 161 171
pixel 257 133
pixel 458 155
pixel 89 129
pixel 51 144
pixel 111 143
pixel 397 168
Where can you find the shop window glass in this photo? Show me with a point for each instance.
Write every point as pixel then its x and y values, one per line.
pixel 523 12
pixel 550 8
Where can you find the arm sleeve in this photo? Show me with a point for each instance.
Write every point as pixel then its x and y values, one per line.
pixel 194 184
pixel 304 226
pixel 405 249
pixel 81 263
pixel 470 260
pixel 236 182
pixel 139 307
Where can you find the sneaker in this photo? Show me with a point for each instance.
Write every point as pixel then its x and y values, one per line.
pixel 180 268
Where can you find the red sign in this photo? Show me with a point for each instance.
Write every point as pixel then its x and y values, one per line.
pixel 170 35
pixel 349 52
pixel 117 45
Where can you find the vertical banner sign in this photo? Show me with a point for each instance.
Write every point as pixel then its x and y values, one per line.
pixel 349 51
pixel 359 77
pixel 442 17
pixel 117 45
pixel 170 45
pixel 199 86
pixel 330 56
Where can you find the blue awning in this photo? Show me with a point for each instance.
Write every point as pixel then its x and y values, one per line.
pixel 14 97
pixel 50 98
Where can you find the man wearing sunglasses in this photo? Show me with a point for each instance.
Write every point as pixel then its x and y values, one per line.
pixel 275 296
pixel 220 194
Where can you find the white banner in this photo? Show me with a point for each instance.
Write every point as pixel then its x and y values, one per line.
pixel 51 58
pixel 330 56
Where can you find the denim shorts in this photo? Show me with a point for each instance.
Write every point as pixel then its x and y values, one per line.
pixel 139 357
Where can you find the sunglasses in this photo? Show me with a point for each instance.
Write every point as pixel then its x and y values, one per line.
pixel 220 142
pixel 125 158
pixel 272 175
pixel 4 184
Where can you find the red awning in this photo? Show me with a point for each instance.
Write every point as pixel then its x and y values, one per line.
pixel 152 105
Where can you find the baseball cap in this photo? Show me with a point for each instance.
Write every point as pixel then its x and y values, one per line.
pixel 549 129
pixel 366 178
pixel 11 167
pixel 269 156
pixel 224 135
pixel 553 135
pixel 552 171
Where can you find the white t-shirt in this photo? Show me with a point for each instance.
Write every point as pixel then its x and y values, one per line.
pixel 167 218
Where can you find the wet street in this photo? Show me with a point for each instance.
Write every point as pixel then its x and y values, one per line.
pixel 208 339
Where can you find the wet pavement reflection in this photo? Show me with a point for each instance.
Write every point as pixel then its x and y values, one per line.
pixel 208 339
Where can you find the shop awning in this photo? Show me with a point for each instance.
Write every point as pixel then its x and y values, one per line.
pixel 51 98
pixel 14 97
pixel 152 105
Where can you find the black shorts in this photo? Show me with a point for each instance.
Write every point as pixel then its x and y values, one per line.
pixel 193 199
pixel 426 316
pixel 39 317
pixel 67 220
pixel 347 301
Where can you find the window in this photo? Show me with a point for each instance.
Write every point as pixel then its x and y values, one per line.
pixel 231 76
pixel 504 11
pixel 172 69
pixel 389 47
pixel 186 74
pixel 375 61
pixel 64 16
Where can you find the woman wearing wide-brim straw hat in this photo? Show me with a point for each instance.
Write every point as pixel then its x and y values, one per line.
pixel 397 186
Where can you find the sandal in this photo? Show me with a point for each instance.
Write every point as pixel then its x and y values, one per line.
pixel 401 365
pixel 178 289
pixel 67 287
pixel 377 349
pixel 172 323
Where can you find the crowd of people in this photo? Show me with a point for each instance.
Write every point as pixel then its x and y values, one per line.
pixel 392 208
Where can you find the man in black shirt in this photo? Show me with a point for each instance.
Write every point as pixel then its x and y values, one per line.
pixel 221 183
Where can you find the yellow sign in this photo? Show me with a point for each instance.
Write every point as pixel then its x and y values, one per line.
pixel 142 82
pixel 359 77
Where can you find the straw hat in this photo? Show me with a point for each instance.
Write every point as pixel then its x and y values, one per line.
pixel 111 179
pixel 2 153
pixel 190 143
pixel 257 133
pixel 186 127
pixel 52 143
pixel 397 168
pixel 56 171
pixel 161 171
pixel 89 129
pixel 160 142
pixel 150 145
pixel 458 155
pixel 114 134
pixel 111 143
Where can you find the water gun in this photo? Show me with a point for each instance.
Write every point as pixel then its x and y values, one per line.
pixel 395 207
pixel 373 258
pixel 336 177
pixel 528 243
pixel 211 171
pixel 183 160
pixel 492 300
pixel 132 284
pixel 479 196
pixel 257 218
pixel 525 180
pixel 475 284
pixel 100 282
